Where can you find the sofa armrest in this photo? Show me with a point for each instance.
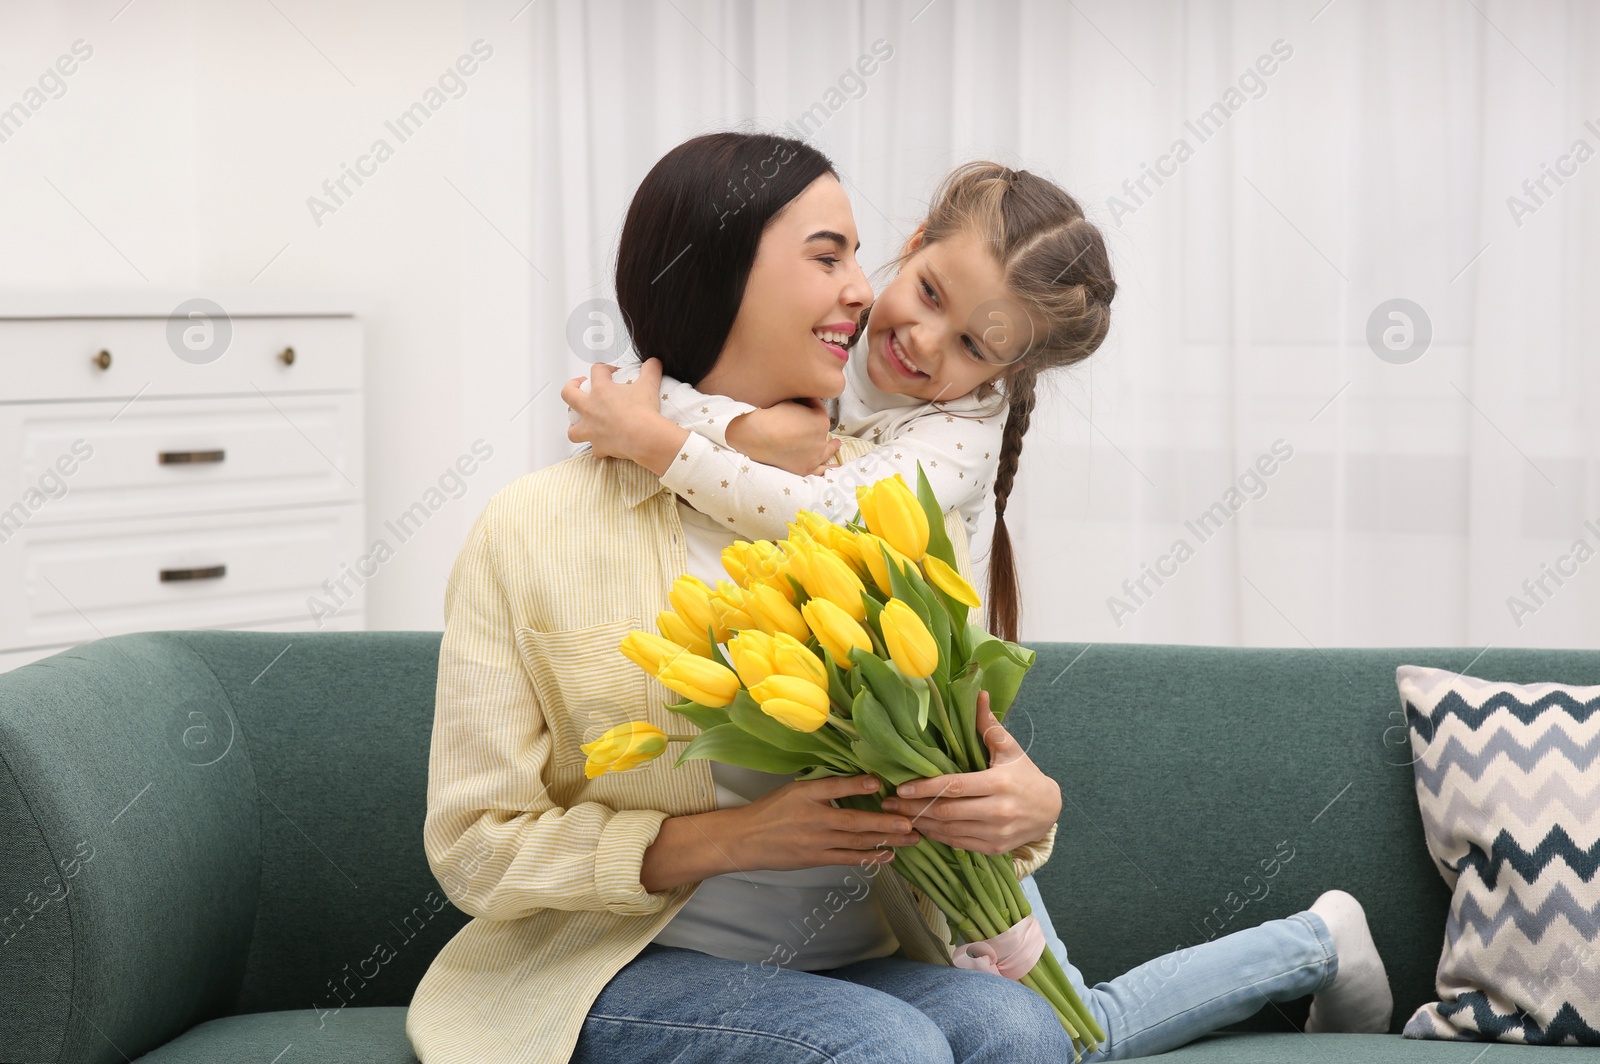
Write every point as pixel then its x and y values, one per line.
pixel 131 859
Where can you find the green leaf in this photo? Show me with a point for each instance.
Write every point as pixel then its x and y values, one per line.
pixel 879 733
pixel 732 745
pixel 874 612
pixel 1004 664
pixel 964 708
pixel 879 764
pixel 957 612
pixel 838 691
pixel 938 539
pixel 704 717
pixel 716 651
pixel 892 691
pixel 817 772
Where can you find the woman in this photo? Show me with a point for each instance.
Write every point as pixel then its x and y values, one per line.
pixel 736 252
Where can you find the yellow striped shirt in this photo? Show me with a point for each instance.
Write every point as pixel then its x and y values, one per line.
pixel 561 564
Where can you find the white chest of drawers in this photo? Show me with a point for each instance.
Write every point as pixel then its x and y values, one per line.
pixel 152 478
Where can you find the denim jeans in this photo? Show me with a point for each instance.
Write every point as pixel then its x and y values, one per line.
pixel 680 1005
pixel 1174 999
pixel 687 1007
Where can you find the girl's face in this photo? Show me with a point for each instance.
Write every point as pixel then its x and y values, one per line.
pixel 947 322
pixel 801 303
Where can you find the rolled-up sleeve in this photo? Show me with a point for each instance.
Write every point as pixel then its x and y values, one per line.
pixel 495 838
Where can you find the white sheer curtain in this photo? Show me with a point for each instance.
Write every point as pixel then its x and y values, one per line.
pixel 1340 155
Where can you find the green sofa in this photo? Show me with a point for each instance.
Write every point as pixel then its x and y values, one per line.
pixel 211 841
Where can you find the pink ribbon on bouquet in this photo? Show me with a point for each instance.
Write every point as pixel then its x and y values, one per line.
pixel 1012 953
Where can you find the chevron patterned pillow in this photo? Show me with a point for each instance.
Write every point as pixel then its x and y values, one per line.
pixel 1509 790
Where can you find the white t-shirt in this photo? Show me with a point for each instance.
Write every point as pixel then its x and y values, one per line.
pixel 809 918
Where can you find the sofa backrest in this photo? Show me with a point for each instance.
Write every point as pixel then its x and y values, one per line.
pixel 203 823
pixel 1209 789
pixel 229 822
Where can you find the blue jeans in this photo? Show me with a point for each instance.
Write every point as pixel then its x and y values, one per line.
pixel 1174 999
pixel 687 1007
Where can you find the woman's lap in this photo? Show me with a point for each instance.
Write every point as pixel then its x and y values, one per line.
pixel 685 1006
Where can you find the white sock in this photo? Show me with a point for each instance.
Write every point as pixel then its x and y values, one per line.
pixel 1358 1000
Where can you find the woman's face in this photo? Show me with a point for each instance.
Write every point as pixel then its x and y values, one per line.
pixel 947 322
pixel 801 303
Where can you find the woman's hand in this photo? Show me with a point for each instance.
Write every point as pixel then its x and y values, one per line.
pixel 792 435
pixel 623 421
pixel 795 826
pixel 994 811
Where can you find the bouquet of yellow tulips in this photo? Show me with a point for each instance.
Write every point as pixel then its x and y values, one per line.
pixel 848 651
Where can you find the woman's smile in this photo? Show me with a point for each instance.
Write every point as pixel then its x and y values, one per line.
pixel 836 338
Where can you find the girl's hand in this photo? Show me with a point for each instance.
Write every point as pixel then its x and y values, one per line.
pixel 797 826
pixel 994 811
pixel 791 435
pixel 613 416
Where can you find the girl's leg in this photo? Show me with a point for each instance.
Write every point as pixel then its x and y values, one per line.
pixel 984 1018
pixel 680 1005
pixel 1174 999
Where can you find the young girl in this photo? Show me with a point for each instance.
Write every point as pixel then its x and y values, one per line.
pixel 1005 280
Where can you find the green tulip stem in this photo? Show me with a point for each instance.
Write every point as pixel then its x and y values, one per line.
pixel 980 891
pixel 1052 965
pixel 1006 875
pixel 877 644
pixel 843 725
pixel 1063 1014
pixel 914 867
pixel 1003 899
pixel 838 745
pixel 953 887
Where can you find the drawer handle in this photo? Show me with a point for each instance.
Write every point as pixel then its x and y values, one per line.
pixel 286 356
pixel 210 572
pixel 103 360
pixel 189 457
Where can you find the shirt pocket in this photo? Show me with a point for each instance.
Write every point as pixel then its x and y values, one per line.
pixel 584 683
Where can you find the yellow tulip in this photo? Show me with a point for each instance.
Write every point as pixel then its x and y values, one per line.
pixel 751 654
pixel 873 549
pixel 830 578
pixel 773 613
pixel 910 644
pixel 892 511
pixel 836 630
pixel 800 704
pixel 814 524
pixel 734 561
pixel 623 747
pixel 728 610
pixel 677 629
pixel 699 679
pixel 793 658
pixel 692 599
pixel 763 560
pixel 949 581
pixel 847 545
pixel 649 651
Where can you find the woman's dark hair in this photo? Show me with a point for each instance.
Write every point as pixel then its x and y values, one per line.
pixel 690 238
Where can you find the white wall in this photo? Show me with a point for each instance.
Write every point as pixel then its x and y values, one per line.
pixel 1377 163
pixel 184 149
